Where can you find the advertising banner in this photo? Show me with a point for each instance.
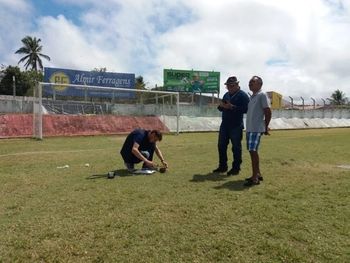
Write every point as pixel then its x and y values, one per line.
pixel 191 81
pixel 87 78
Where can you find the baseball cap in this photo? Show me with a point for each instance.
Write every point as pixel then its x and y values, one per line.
pixel 231 80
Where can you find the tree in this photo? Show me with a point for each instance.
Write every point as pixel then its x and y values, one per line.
pixel 31 78
pixel 139 83
pixel 338 97
pixel 25 81
pixel 100 70
pixel 32 50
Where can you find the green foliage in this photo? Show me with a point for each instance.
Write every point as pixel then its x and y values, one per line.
pixel 139 83
pixel 300 212
pixel 31 78
pixel 101 70
pixel 25 81
pixel 32 50
pixel 338 97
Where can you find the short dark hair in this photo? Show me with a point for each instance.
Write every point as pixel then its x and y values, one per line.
pixel 158 134
pixel 258 79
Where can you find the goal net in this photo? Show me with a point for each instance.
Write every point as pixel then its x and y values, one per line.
pixel 69 99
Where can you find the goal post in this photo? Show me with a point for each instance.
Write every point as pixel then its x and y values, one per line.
pixel 71 99
pixel 37 112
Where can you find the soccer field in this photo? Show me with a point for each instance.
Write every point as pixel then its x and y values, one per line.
pixel 300 212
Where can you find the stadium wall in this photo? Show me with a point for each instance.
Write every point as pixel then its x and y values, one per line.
pixel 25 105
pixel 21 125
pixel 126 117
pixel 196 124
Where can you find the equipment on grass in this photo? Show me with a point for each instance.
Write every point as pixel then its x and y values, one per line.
pixel 143 171
pixel 63 167
pixel 111 174
pixel 162 169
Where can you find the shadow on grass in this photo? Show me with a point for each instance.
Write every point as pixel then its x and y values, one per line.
pixel 208 177
pixel 233 186
pixel 120 173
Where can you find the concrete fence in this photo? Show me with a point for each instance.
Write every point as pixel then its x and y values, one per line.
pixel 205 117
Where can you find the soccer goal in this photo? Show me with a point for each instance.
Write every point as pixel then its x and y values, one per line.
pixel 70 99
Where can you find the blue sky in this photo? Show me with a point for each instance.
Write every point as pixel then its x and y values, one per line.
pixel 55 8
pixel 299 48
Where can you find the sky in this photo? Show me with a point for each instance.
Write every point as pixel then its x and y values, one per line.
pixel 300 48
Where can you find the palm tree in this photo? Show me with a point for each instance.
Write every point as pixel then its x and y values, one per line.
pixel 32 48
pixel 338 97
pixel 139 83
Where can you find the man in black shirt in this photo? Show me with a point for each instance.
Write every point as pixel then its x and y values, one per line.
pixel 139 146
pixel 234 104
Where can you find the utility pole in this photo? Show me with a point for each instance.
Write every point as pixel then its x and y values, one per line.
pixel 14 86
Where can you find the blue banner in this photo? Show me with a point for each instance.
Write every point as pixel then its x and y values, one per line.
pixel 88 78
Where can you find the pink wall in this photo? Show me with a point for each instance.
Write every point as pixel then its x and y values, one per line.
pixel 20 125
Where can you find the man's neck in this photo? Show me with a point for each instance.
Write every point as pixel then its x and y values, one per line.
pixel 256 92
pixel 234 92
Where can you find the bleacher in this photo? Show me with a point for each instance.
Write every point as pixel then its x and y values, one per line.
pixel 74 107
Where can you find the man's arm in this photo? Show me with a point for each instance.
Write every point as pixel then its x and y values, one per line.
pixel 245 100
pixel 160 156
pixel 267 114
pixel 225 105
pixel 135 151
pixel 242 105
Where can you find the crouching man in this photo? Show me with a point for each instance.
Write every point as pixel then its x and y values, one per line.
pixel 139 146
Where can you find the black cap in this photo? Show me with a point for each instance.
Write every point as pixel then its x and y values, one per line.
pixel 231 80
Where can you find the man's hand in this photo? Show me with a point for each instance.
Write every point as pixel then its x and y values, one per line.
pixel 149 164
pixel 165 164
pixel 227 105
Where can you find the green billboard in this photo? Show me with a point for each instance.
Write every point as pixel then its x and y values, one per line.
pixel 191 81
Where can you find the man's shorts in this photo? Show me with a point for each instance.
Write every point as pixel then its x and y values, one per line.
pixel 253 141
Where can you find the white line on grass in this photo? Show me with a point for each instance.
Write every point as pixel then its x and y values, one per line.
pixel 344 166
pixel 49 152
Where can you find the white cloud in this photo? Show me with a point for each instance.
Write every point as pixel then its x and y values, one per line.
pixel 242 36
pixel 13 25
pixel 70 47
pixel 14 5
pixel 298 47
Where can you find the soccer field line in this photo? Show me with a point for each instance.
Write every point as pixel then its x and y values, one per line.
pixel 50 152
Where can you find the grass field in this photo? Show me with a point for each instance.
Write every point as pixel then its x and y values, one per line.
pixel 300 213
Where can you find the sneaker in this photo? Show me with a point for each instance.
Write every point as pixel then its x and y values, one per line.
pixel 259 177
pixel 233 172
pixel 130 167
pixel 220 170
pixel 251 182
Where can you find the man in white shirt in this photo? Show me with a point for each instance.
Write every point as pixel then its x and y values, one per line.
pixel 257 124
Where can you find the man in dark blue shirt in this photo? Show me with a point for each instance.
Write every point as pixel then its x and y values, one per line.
pixel 139 146
pixel 233 105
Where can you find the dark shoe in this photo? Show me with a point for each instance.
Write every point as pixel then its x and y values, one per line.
pixel 130 167
pixel 251 182
pixel 259 177
pixel 233 172
pixel 220 170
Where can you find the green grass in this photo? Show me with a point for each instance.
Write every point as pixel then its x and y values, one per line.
pixel 300 213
